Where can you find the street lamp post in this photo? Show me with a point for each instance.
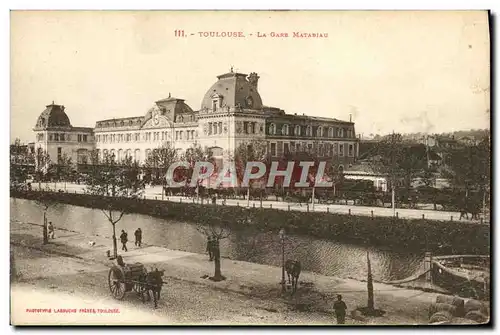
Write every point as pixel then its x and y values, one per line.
pixel 282 238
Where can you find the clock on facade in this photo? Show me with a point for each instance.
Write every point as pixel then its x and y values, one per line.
pixel 249 101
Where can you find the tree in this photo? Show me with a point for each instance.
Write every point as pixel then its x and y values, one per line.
pixel 388 155
pixel 45 200
pixel 469 172
pixel 160 160
pixel 108 177
pixel 217 234
pixel 42 164
pixel 369 282
pixel 18 171
pixel 469 166
pixel 65 165
pixel 18 175
pixel 252 151
pixel 196 153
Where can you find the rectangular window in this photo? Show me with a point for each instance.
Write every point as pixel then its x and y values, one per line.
pixel 245 127
pixel 286 148
pixel 351 150
pixel 62 137
pixel 341 149
pixel 84 138
pixel 280 149
pixel 180 134
pixel 273 149
pixel 321 152
pixel 210 128
pixel 220 127
pixel 56 137
pixel 309 148
pixel 292 146
pixel 40 137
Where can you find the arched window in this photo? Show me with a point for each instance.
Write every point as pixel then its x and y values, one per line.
pixel 330 132
pixel 137 155
pixel 272 129
pixel 297 130
pixel 284 130
pixel 120 155
pixel 308 131
pixel 319 132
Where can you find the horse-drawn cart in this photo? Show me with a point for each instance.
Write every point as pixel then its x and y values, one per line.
pixel 124 278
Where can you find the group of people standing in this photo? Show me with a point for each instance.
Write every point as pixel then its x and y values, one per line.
pixel 124 238
pixel 212 245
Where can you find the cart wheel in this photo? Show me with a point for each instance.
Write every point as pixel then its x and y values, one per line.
pixel 116 281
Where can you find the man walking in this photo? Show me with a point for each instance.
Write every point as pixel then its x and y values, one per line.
pixel 138 237
pixel 51 230
pixel 340 310
pixel 124 240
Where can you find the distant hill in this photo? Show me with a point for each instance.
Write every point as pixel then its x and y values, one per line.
pixel 472 133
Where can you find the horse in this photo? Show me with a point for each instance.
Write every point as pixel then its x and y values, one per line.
pixel 293 268
pixel 153 282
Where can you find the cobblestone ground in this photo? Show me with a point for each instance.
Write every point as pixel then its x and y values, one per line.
pixel 251 293
pixel 59 282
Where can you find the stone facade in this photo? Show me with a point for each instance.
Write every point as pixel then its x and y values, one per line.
pixel 231 113
pixel 55 135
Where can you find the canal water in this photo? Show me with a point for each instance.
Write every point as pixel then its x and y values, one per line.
pixel 322 256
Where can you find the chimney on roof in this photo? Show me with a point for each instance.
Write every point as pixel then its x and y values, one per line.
pixel 350 117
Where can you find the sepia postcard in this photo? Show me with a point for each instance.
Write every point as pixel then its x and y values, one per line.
pixel 250 168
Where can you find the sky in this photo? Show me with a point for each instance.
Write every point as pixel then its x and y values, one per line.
pixel 392 71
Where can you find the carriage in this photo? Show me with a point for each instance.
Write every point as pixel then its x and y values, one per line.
pixel 124 278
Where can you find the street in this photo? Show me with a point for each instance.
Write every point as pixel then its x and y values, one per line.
pixel 156 193
pixel 250 294
pixel 61 282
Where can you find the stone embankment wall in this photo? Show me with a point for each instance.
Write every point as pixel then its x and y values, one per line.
pixel 441 237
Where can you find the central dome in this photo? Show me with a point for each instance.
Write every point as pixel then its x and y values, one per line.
pixel 234 90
